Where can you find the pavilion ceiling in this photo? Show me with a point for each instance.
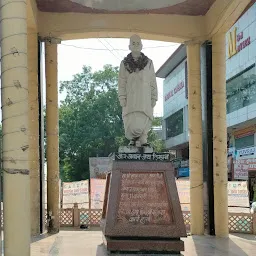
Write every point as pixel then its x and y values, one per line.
pixel 180 7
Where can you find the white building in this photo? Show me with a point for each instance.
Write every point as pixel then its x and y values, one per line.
pixel 241 92
pixel 241 81
pixel 175 100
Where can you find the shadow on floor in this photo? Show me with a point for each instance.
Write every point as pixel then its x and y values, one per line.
pixel 101 251
pixel 222 246
pixel 248 237
pixel 80 229
pixel 40 237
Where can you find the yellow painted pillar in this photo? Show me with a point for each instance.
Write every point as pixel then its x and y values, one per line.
pixel 195 139
pixel 33 131
pixel 219 135
pixel 52 132
pixel 14 83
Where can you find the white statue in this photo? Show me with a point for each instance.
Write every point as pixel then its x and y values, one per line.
pixel 137 91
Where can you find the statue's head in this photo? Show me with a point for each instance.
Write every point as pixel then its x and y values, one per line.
pixel 135 44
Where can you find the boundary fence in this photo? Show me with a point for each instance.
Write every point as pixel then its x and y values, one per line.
pixel 74 217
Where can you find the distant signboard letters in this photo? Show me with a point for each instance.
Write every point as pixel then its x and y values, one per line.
pixel 174 91
pixel 236 43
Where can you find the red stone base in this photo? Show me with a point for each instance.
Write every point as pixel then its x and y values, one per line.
pixel 170 246
pixel 142 213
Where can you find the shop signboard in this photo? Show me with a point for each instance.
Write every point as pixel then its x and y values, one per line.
pixel 238 196
pixel 237 42
pixel 183 172
pixel 245 132
pixel 171 93
pixel 240 44
pixel 242 165
pixel 174 90
pixel 246 151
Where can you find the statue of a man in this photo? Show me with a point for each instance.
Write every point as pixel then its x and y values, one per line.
pixel 137 91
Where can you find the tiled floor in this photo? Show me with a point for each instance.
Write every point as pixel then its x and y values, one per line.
pixel 84 243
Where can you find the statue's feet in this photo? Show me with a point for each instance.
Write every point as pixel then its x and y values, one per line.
pixel 145 145
pixel 133 142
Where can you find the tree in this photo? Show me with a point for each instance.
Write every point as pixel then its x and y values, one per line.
pixel 157 121
pixel 90 121
pixel 155 142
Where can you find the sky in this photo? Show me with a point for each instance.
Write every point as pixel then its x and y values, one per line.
pixel 72 55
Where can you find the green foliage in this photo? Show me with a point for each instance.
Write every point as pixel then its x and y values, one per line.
pixel 155 142
pixel 90 121
pixel 157 121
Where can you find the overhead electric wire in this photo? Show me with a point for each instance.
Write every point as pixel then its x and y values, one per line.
pixel 116 49
pixel 112 47
pixel 109 50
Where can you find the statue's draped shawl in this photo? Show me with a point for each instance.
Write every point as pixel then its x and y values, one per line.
pixel 132 65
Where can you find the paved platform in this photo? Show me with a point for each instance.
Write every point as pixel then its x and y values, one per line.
pixel 85 243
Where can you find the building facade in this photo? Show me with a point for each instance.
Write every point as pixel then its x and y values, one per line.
pixel 175 107
pixel 240 91
pixel 175 100
pixel 241 81
pixel 241 96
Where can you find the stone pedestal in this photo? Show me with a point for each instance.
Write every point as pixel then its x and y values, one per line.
pixel 102 251
pixel 142 213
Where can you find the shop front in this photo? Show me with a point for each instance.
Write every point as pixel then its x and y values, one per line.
pixel 241 98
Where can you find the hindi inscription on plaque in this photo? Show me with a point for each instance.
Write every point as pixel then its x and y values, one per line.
pixel 144 199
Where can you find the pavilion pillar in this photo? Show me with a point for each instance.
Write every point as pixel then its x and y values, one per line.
pixel 52 133
pixel 195 138
pixel 33 131
pixel 219 135
pixel 14 83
